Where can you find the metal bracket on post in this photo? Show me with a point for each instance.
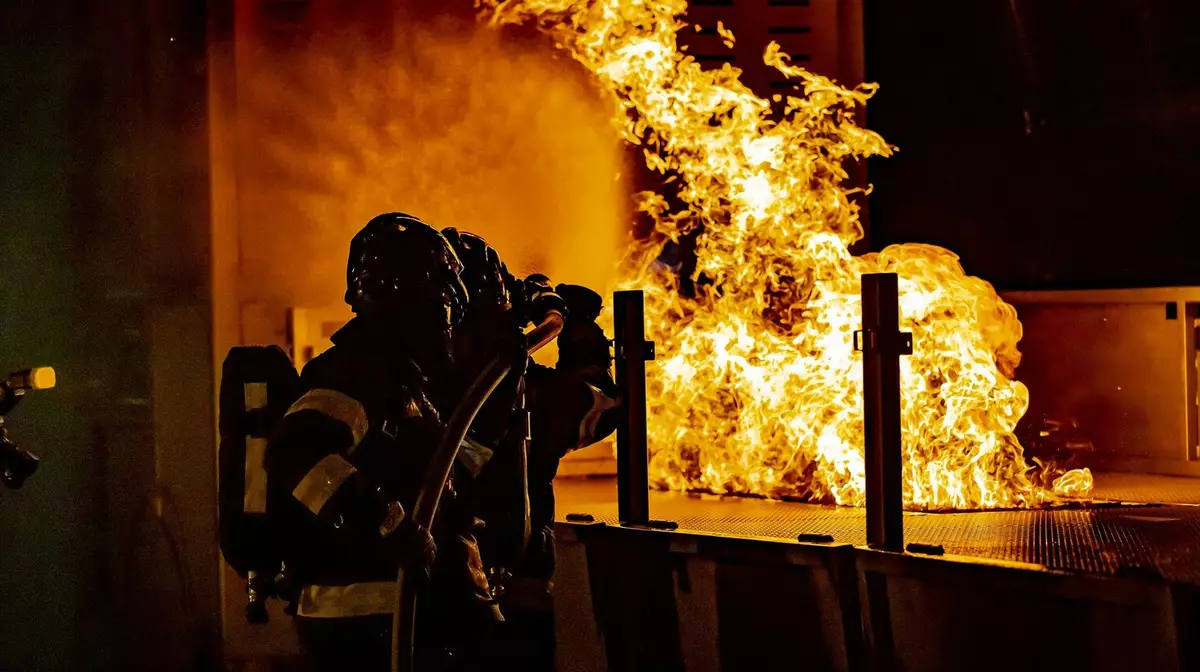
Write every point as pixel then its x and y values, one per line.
pixel 632 353
pixel 882 343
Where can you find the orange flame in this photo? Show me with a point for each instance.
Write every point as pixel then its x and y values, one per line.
pixel 758 389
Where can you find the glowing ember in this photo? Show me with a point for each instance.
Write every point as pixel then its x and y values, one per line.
pixel 758 389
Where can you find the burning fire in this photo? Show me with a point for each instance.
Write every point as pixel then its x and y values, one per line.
pixel 758 389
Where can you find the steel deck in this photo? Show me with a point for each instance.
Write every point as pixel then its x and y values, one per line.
pixel 1162 539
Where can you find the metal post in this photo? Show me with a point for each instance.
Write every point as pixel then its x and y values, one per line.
pixel 632 352
pixel 882 344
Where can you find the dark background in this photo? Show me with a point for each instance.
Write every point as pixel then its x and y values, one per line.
pixel 1058 154
pixel 1051 143
pixel 104 255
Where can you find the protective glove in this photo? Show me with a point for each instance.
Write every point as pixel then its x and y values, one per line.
pixel 539 298
pixel 582 342
pixel 414 548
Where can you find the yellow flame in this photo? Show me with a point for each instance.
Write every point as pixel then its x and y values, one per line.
pixel 1074 483
pixel 758 389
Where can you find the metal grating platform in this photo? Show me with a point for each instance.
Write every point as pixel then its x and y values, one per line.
pixel 1156 539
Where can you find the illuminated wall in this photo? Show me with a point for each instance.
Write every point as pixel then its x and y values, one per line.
pixel 341 117
pixel 323 117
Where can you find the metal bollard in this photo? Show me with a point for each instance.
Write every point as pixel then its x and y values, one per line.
pixel 882 343
pixel 632 353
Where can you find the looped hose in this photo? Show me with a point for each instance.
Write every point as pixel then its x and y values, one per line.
pixel 438 472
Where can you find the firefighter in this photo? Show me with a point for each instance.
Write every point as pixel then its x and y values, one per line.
pixel 349 455
pixel 571 406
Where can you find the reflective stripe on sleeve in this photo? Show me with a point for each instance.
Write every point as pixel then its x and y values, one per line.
pixel 338 406
pixel 255 395
pixel 357 599
pixel 322 481
pixel 587 427
pixel 254 490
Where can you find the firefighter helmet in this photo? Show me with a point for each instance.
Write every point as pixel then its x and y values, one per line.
pixel 484 274
pixel 401 265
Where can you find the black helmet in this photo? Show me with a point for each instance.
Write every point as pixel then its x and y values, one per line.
pixel 485 276
pixel 401 265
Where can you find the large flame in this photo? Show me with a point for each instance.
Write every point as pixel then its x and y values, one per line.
pixel 758 389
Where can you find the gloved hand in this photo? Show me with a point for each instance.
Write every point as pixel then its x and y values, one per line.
pixel 582 342
pixel 540 298
pixel 415 550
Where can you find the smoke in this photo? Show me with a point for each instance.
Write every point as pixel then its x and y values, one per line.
pixel 453 122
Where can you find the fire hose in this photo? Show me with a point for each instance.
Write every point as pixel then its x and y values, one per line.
pixel 481 388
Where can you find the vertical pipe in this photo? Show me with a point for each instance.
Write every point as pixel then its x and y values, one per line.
pixel 632 351
pixel 882 344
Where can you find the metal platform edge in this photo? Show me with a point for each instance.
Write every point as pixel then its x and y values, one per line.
pixel 863 578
